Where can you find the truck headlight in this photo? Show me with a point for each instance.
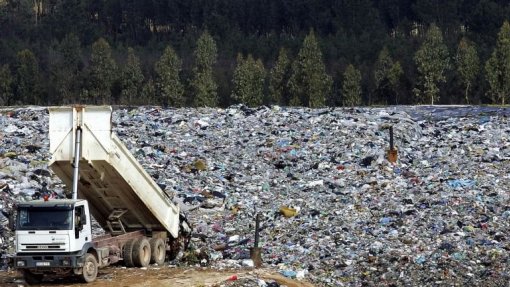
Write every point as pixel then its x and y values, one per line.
pixel 65 262
pixel 20 263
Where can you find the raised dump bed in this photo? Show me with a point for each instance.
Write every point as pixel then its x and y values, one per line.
pixel 121 194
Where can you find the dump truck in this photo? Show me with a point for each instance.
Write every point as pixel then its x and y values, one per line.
pixel 142 225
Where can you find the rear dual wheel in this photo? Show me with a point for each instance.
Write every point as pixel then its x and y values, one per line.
pixel 158 251
pixel 127 253
pixel 141 252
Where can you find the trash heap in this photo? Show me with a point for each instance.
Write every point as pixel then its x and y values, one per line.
pixel 334 210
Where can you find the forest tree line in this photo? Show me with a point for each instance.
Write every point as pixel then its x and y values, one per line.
pixel 257 52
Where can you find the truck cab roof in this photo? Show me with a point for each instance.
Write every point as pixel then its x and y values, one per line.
pixel 51 203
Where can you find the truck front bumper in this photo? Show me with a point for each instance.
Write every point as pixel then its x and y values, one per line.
pixel 39 261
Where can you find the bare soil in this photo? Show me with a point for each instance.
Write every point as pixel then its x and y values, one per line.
pixel 156 276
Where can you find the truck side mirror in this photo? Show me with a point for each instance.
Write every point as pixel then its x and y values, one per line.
pixel 83 218
pixel 80 218
pixel 80 221
pixel 79 226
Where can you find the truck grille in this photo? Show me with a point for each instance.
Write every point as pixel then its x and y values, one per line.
pixel 37 247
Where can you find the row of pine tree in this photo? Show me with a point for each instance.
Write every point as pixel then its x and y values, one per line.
pixel 299 82
pixel 135 61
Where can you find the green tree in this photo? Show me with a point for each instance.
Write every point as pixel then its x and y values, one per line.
pixel 5 85
pixel 131 80
pixel 169 89
pixel 309 83
pixel 66 71
pixel 149 92
pixel 248 80
pixel 103 71
pixel 382 67
pixel 70 48
pixel 387 75
pixel 203 85
pixel 394 76
pixel 278 79
pixel 432 61
pixel 351 87
pixel 26 78
pixel 468 65
pixel 497 67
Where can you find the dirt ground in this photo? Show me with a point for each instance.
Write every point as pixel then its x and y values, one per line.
pixel 157 276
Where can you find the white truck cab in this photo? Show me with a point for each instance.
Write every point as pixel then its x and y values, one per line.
pixel 59 225
pixel 52 234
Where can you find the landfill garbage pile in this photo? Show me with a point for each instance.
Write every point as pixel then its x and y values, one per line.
pixel 334 210
pixel 248 281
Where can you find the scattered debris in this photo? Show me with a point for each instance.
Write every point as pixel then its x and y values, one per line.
pixel 437 215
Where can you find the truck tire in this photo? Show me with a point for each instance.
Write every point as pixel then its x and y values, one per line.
pixel 127 253
pixel 31 278
pixel 158 251
pixel 89 272
pixel 141 252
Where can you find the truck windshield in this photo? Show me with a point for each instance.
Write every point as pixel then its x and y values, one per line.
pixel 37 218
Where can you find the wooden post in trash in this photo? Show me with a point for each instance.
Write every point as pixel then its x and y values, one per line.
pixel 255 251
pixel 257 225
pixel 391 138
pixel 392 154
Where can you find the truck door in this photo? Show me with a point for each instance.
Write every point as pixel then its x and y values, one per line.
pixel 82 229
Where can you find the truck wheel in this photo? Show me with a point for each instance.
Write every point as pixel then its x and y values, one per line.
pixel 127 253
pixel 158 251
pixel 32 278
pixel 141 252
pixel 89 272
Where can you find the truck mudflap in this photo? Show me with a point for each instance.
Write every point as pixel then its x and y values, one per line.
pixel 48 261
